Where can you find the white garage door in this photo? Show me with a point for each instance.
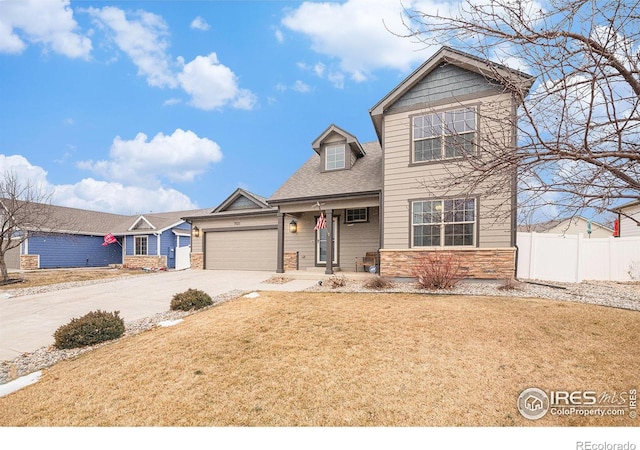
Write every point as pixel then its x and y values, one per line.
pixel 241 250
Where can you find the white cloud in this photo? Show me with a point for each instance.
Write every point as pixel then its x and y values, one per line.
pixel 143 37
pixel 354 32
pixel 120 199
pixel 23 170
pixel 212 85
pixel 98 195
pixel 49 23
pixel 279 36
pixel 300 86
pixel 200 24
pixel 171 102
pixel 179 157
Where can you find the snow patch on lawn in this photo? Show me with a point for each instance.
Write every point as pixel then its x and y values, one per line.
pixel 252 295
pixel 19 383
pixel 169 323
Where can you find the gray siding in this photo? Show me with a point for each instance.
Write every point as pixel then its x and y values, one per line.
pixel 353 239
pixel 627 226
pixel 445 82
pixel 240 204
pixel 403 181
pixel 229 223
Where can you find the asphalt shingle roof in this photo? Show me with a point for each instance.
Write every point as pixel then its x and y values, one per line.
pixel 82 221
pixel 310 182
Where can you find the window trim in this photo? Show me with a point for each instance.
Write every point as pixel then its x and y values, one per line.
pixel 135 245
pixel 476 222
pixel 335 145
pixel 366 215
pixel 443 158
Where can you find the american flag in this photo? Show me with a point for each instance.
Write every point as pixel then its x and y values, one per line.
pixel 109 239
pixel 321 223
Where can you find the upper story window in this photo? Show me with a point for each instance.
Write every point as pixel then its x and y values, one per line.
pixel 445 135
pixel 140 245
pixel 443 223
pixel 334 157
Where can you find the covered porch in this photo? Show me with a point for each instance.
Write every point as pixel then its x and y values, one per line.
pixel 351 230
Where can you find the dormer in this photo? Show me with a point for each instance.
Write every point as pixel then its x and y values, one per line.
pixel 337 148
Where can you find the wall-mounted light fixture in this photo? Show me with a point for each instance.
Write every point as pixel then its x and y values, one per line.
pixel 293 226
pixel 196 232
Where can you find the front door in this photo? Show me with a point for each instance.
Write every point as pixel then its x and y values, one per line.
pixel 321 244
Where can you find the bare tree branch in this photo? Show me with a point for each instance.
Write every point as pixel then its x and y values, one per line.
pixel 578 142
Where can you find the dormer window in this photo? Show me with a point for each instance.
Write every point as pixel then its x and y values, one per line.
pixel 334 157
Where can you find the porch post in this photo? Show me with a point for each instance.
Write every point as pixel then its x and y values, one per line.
pixel 329 222
pixel 280 258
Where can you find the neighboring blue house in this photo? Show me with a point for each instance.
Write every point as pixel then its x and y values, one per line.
pixel 154 241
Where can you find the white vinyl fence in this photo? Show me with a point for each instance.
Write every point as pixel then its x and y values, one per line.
pixel 574 258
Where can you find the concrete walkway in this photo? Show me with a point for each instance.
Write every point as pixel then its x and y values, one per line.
pixel 27 323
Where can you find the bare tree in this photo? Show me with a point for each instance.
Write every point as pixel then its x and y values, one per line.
pixel 24 210
pixel 578 142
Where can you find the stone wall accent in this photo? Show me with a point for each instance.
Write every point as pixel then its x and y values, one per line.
pixel 479 263
pixel 140 262
pixel 291 261
pixel 197 261
pixel 29 262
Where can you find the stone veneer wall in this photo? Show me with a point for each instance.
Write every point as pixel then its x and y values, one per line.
pixel 139 262
pixel 291 261
pixel 477 263
pixel 29 262
pixel 197 261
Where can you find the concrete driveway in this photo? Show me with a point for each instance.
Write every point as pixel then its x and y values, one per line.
pixel 27 323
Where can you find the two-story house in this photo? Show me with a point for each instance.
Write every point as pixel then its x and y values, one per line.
pixel 383 196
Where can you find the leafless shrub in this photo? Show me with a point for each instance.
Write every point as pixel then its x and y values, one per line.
pixel 336 281
pixel 378 283
pixel 438 270
pixel 510 284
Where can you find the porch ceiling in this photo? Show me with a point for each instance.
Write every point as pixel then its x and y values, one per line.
pixel 324 204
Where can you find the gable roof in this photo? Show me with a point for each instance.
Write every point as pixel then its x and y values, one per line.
pixel 352 141
pixel 487 69
pixel 309 182
pixel 158 221
pixel 63 219
pixel 242 199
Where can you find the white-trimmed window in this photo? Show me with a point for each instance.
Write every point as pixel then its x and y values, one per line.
pixel 140 245
pixel 443 223
pixel 445 135
pixel 334 157
pixel 356 215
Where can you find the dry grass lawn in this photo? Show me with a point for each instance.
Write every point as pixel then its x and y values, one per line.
pixel 46 277
pixel 317 359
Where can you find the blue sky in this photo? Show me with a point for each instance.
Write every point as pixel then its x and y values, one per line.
pixel 132 107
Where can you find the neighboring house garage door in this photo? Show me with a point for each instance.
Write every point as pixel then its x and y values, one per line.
pixel 241 250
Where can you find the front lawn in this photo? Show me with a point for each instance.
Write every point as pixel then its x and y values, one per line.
pixel 331 359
